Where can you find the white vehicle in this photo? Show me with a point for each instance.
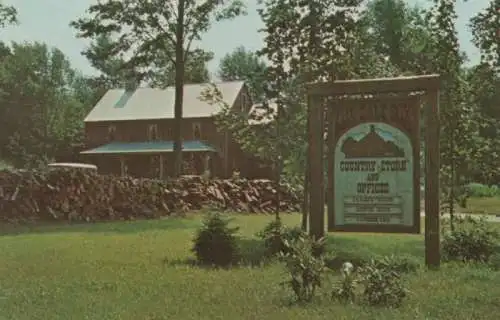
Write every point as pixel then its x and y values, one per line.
pixel 72 165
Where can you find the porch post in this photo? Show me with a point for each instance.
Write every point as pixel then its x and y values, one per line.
pixel 161 166
pixel 122 166
pixel 206 166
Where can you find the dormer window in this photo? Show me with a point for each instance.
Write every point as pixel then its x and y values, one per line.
pixel 196 131
pixel 111 133
pixel 153 132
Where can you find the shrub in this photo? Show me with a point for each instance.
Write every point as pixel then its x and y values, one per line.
pixel 472 240
pixel 275 234
pixel 397 264
pixel 305 268
pixel 215 243
pixel 345 291
pixel 383 285
pixel 494 262
pixel 482 191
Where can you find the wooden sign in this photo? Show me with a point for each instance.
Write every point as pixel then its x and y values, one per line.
pixel 374 169
pixel 373 157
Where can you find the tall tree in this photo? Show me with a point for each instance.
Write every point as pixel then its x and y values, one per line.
pixel 400 33
pixel 242 64
pixel 485 83
pixel 458 127
pixel 39 116
pixel 148 29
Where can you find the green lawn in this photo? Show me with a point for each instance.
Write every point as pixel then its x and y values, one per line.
pixel 136 270
pixel 4 165
pixel 483 206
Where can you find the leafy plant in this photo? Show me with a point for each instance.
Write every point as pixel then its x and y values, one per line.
pixel 382 284
pixel 215 244
pixel 275 234
pixel 305 268
pixel 397 264
pixel 345 291
pixel 479 190
pixel 494 261
pixel 472 240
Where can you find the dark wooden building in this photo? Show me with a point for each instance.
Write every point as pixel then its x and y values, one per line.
pixel 131 132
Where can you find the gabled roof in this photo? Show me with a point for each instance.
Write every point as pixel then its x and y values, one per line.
pixel 150 104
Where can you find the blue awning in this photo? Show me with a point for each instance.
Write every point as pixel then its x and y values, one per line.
pixel 148 147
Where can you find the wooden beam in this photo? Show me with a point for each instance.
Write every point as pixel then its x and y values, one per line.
pixel 315 155
pixel 432 245
pixel 122 166
pixel 161 166
pixel 331 113
pixel 382 85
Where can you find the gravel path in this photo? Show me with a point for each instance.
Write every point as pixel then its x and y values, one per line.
pixel 489 217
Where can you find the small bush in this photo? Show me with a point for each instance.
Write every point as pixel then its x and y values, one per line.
pixel 215 243
pixel 494 262
pixel 345 291
pixel 305 268
pixel 472 240
pixel 479 190
pixel 275 234
pixel 397 264
pixel 382 284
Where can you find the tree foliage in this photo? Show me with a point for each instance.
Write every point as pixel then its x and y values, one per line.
pixel 117 73
pixel 458 128
pixel 486 35
pixel 41 115
pixel 8 15
pixel 484 80
pixel 242 64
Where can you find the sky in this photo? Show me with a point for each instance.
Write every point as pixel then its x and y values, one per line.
pixel 48 21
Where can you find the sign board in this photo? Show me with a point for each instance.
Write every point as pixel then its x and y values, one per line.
pixel 375 166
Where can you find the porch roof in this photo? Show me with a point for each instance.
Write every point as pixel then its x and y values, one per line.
pixel 148 147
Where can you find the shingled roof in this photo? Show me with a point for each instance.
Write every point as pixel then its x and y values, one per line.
pixel 150 104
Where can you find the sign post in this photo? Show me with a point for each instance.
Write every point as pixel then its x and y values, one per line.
pixel 374 157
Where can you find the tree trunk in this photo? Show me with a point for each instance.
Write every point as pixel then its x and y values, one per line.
pixel 179 88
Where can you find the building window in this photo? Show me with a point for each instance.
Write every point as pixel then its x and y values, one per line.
pixel 170 134
pixel 111 133
pixel 153 132
pixel 196 131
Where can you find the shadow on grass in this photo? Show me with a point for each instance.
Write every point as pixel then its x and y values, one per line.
pixel 357 250
pixel 252 254
pixel 121 227
pixel 370 245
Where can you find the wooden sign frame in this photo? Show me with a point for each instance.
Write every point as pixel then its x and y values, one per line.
pixel 317 93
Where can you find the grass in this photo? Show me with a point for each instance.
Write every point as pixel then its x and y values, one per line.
pixel 4 165
pixel 489 205
pixel 136 270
